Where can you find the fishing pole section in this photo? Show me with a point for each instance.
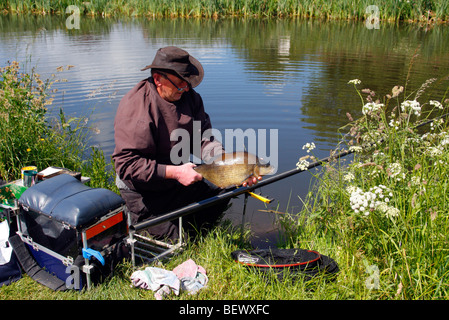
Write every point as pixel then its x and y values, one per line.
pixel 247 191
pixel 231 194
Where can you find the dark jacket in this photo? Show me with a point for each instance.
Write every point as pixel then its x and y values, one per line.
pixel 143 125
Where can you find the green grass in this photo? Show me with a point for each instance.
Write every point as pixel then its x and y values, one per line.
pixel 414 10
pixel 382 215
pixel 228 280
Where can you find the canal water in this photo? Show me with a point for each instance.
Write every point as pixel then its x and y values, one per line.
pixel 288 77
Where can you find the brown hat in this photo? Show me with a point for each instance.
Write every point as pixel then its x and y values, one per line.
pixel 180 62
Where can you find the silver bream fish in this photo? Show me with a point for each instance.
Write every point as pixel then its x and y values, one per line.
pixel 232 169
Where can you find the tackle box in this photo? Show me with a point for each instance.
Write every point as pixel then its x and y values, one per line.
pixel 68 225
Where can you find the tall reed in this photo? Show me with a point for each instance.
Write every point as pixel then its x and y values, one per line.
pixel 414 10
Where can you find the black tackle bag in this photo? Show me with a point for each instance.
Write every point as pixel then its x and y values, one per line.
pixel 294 262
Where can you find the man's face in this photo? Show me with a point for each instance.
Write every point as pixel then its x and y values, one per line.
pixel 170 87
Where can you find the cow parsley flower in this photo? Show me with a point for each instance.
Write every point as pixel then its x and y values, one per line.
pixel 444 142
pixel 349 177
pixel 415 181
pixel 395 171
pixel 371 107
pixel 361 201
pixel 411 106
pixel 435 151
pixel 355 149
pixel 309 146
pixel 376 199
pixel 302 164
pixel 436 104
pixel 354 81
pixel 394 124
pixel 387 210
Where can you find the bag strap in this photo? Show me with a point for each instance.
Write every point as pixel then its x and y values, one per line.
pixel 30 266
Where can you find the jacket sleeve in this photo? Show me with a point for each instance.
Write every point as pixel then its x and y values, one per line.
pixel 131 158
pixel 134 141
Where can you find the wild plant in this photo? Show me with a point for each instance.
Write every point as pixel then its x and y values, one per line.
pixel 31 135
pixel 388 206
pixel 28 136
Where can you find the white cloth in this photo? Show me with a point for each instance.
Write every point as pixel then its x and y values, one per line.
pixel 192 276
pixel 5 247
pixel 160 281
pixel 187 276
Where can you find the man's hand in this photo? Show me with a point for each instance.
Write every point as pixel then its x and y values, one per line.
pixel 185 174
pixel 251 181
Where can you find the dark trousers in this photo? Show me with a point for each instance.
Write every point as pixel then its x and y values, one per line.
pixel 144 206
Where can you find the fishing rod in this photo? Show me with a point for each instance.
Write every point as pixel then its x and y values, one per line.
pixel 230 194
pixel 241 190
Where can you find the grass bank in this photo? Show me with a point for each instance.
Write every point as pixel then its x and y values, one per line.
pixel 391 10
pixel 381 215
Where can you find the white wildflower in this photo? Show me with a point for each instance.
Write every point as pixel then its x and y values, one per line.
pixel 360 201
pixel 355 149
pixel 394 124
pixel 354 81
pixel 378 154
pixel 395 171
pixel 371 107
pixel 349 177
pixel 444 142
pixel 436 123
pixel 373 200
pixel 435 152
pixel 392 212
pixel 351 189
pixel 436 104
pixel 415 181
pixel 302 164
pixel 387 210
pixel 411 106
pixel 309 146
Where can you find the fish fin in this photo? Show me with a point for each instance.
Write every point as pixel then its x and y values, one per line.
pixel 211 183
pixel 250 175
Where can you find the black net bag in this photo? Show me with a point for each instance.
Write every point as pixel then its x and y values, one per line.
pixel 291 262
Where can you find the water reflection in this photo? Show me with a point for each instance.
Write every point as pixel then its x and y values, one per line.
pixel 289 75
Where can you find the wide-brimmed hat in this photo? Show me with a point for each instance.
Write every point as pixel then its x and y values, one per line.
pixel 180 62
